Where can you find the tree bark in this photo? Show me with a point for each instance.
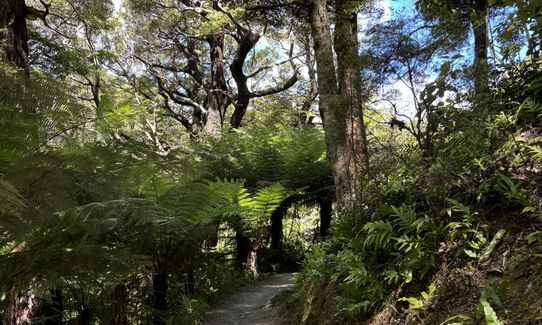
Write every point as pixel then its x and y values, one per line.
pixel 354 160
pixel 217 100
pixel 303 116
pixel 14 33
pixel 84 317
pixel 481 44
pixel 340 104
pixel 247 41
pixel 19 309
pixel 253 260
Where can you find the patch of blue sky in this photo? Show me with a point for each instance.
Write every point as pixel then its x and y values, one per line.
pixel 398 7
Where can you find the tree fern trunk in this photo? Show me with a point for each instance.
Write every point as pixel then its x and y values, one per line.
pixel 84 317
pixel 243 249
pixel 51 309
pixel 276 234
pixel 326 211
pixel 159 302
pixel 118 313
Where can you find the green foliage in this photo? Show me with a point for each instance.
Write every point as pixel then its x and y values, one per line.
pixel 12 207
pixel 471 238
pixel 419 304
pixel 85 216
pixel 260 154
pixel 379 235
pixel 484 307
pixel 101 189
pixel 454 320
pixel 390 251
pixel 30 112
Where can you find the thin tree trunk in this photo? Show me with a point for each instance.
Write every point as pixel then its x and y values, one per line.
pixel 253 260
pixel 326 211
pixel 190 278
pixel 211 241
pixel 481 44
pixel 14 33
pixel 303 116
pixel 276 234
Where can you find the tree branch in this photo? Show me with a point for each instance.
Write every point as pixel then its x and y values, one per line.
pixel 278 88
pixel 33 13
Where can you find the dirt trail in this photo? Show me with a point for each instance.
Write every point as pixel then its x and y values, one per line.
pixel 252 304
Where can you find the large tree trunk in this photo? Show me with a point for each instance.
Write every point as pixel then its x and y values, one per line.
pixel 340 107
pixel 14 33
pixel 19 308
pixel 217 100
pixel 481 44
pixel 354 159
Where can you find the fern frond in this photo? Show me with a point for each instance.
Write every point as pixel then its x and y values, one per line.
pixel 31 110
pixel 12 206
pixel 11 202
pixel 379 235
pixel 267 200
pixel 405 216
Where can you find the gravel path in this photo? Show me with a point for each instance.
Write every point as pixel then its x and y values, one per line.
pixel 252 304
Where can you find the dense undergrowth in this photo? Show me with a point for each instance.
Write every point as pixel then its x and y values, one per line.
pixel 451 238
pixel 95 230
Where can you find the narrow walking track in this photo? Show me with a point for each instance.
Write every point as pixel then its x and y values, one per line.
pixel 252 304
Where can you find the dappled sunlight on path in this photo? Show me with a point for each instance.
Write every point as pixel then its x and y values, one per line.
pixel 252 304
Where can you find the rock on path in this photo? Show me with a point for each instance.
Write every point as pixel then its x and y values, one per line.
pixel 252 304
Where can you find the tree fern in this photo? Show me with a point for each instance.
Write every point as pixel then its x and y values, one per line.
pixel 12 206
pixel 31 112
